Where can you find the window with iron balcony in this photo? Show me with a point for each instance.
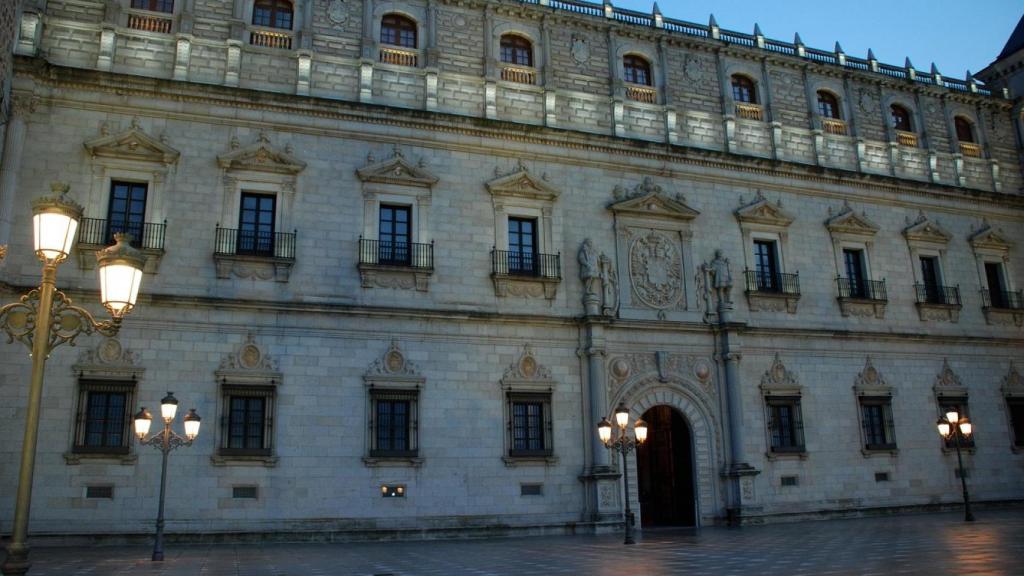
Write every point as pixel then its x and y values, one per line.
pixel 517 60
pixel 398 38
pixel 151 16
pixel 744 96
pixel 831 113
pixel 274 19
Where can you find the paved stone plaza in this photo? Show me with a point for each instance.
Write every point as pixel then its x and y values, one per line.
pixel 930 544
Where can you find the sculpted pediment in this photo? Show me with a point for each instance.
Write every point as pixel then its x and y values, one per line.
pixel 132 144
pixel 397 170
pixel 261 157
pixel 650 200
pixel 850 222
pixel 763 211
pixel 522 184
pixel 990 238
pixel 926 230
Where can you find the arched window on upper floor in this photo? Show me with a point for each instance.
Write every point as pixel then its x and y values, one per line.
pixel 636 70
pixel 903 125
pixel 166 6
pixel 273 14
pixel 517 57
pixel 831 113
pixel 744 95
pixel 965 135
pixel 398 30
pixel 398 36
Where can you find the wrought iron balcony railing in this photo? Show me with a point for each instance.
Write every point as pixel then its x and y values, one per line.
pixel 270 39
pixel 147 236
pixel 231 242
pixel 399 56
pixel 150 22
pixel 935 294
pixel 403 254
pixel 511 263
pixel 772 283
pixel 906 138
pixel 1003 299
pixel 644 94
pixel 862 289
pixel 519 74
pixel 749 111
pixel 970 149
pixel 834 126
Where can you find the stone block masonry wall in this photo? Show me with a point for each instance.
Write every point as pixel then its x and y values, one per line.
pixel 396 85
pixel 583 113
pixel 876 158
pixel 586 69
pixel 461 95
pixel 460 39
pixel 867 111
pixel 77 10
pixel 935 124
pixel 789 97
pixel 144 55
pixel 797 146
pixel 216 9
pixel 208 63
pixel 338 38
pixel 330 80
pixel 693 81
pixel 269 70
pixel 647 123
pixel 840 153
pixel 754 137
pixel 343 46
pixel 701 130
pixel 211 29
pixel 913 163
pixel 72 46
pixel 520 104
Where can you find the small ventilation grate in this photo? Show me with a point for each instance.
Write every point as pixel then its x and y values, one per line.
pixel 99 492
pixel 531 489
pixel 245 492
pixel 881 476
pixel 790 481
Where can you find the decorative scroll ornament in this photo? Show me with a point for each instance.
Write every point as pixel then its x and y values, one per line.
pixel 526 369
pixel 655 270
pixel 779 377
pixel 109 352
pixel 393 363
pixel 67 321
pixel 248 364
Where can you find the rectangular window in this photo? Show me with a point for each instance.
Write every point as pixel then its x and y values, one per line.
pixel 766 266
pixel 995 279
pixel 522 246
pixel 395 235
pixel 103 417
pixel 960 405
pixel 853 261
pixel 247 420
pixel 393 423
pixel 1016 409
pixel 529 423
pixel 127 210
pixel 256 224
pixel 930 279
pixel 876 419
pixel 785 423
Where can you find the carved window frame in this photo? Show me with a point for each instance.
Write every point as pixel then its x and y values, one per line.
pixel 106 367
pixel 871 388
pixel 850 230
pixel 247 372
pixel 764 220
pixel 528 380
pixel 1012 390
pixel 990 245
pixel 779 386
pixel 524 30
pixel 926 238
pixel 393 375
pixel 132 156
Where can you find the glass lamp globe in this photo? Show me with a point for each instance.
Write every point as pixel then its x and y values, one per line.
pixel 168 407
pixel 142 421
pixel 953 415
pixel 120 268
pixel 192 424
pixel 622 416
pixel 640 429
pixel 944 428
pixel 604 431
pixel 966 428
pixel 55 221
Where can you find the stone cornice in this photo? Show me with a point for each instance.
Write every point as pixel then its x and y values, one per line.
pixel 50 76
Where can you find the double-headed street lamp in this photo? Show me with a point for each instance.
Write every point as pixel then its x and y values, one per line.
pixel 953 426
pixel 623 444
pixel 165 441
pixel 45 318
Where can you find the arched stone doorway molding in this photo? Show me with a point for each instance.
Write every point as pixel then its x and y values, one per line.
pixel 695 401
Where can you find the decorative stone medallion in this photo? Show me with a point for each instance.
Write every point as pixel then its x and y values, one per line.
pixel 336 12
pixel 109 351
pixel 580 49
pixel 655 270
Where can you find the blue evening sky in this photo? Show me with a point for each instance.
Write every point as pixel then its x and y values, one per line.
pixel 955 34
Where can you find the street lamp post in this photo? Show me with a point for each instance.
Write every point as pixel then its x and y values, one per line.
pixel 953 426
pixel 45 318
pixel 165 441
pixel 623 444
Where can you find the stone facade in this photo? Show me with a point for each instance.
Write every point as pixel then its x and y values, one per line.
pixel 200 115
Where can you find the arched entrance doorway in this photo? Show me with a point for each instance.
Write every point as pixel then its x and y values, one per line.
pixel 665 470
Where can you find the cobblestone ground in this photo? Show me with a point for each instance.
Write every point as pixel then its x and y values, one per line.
pixel 929 544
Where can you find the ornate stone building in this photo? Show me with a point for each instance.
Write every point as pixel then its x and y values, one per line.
pixel 402 256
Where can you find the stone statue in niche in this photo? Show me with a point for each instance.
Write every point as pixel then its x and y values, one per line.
pixel 714 282
pixel 600 281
